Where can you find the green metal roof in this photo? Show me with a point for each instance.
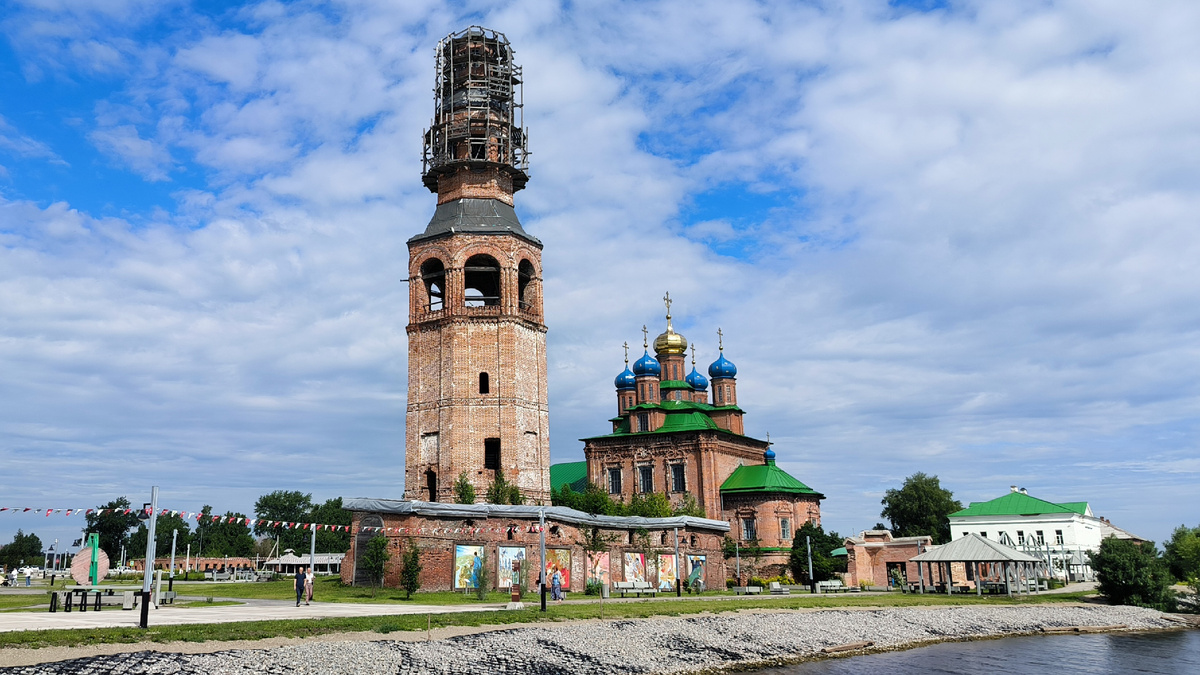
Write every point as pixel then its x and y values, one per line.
pixel 569 473
pixel 839 551
pixel 674 384
pixel 764 478
pixel 680 416
pixel 1019 504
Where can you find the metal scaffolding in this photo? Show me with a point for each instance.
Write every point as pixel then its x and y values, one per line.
pixel 478 101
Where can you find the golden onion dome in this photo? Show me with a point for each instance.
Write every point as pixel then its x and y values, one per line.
pixel 670 342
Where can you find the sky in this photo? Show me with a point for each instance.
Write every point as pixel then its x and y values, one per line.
pixel 951 237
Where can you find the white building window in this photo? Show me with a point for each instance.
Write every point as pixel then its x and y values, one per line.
pixel 1058 538
pixel 785 528
pixel 1020 537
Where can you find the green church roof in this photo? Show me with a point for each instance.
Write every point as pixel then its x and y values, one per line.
pixel 667 385
pixel 1019 504
pixel 764 478
pixel 569 473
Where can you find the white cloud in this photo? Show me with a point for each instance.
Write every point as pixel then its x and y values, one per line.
pixel 977 262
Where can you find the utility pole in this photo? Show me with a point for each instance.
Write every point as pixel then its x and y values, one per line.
pixel 678 567
pixel 150 551
pixel 187 565
pixel 542 561
pixel 737 552
pixel 174 538
pixel 811 581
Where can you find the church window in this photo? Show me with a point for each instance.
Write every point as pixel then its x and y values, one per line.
pixel 1020 537
pixel 491 453
pixel 484 385
pixel 748 530
pixel 1058 538
pixel 431 485
pixel 481 278
pixel 433 275
pixel 646 479
pixel 1041 540
pixel 785 528
pixel 643 422
pixel 614 481
pixel 720 399
pixel 677 482
pixel 525 274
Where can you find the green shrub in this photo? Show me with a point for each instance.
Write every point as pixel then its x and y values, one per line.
pixel 1132 574
pixel 758 581
pixel 592 587
pixel 730 583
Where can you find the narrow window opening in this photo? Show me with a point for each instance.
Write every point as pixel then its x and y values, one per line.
pixel 677 482
pixel 1058 537
pixel 484 385
pixel 646 475
pixel 491 453
pixel 431 485
pixel 643 422
pixel 785 528
pixel 748 530
pixel 614 481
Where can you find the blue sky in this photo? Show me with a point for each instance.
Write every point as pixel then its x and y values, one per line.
pixel 952 237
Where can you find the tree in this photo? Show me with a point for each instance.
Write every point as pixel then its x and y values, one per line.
pixel 162 537
pixel 1182 553
pixel 690 507
pixel 288 507
pixel 374 561
pixel 824 565
pixel 503 492
pixel 226 535
pixel 920 507
pixel 113 527
pixel 592 500
pixel 25 548
pixel 410 569
pixel 482 583
pixel 1132 574
pixel 652 505
pixel 332 513
pixel 464 492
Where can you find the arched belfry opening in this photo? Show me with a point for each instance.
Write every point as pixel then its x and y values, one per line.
pixel 433 275
pixel 481 281
pixel 525 276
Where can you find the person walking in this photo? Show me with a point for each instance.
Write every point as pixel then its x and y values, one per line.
pixel 299 584
pixel 556 586
pixel 308 587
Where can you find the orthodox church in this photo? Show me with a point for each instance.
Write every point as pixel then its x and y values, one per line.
pixel 673 435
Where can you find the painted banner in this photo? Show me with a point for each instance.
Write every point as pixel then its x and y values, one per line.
pixel 635 567
pixel 698 566
pixel 666 572
pixel 598 567
pixel 506 555
pixel 558 559
pixel 468 563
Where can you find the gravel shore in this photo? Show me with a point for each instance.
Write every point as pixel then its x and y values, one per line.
pixel 658 645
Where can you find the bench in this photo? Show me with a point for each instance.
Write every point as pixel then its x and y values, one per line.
pixel 637 588
pixel 833 586
pixel 776 589
pixel 747 590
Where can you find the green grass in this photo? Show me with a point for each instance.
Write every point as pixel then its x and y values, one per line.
pixel 299 628
pixel 331 589
pixel 11 601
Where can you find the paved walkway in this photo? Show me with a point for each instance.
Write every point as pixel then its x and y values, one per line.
pixel 254 610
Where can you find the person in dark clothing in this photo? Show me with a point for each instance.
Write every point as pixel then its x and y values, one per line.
pixel 300 577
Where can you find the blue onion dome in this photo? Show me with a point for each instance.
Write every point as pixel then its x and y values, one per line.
pixel 625 380
pixel 698 381
pixel 769 456
pixel 722 367
pixel 647 365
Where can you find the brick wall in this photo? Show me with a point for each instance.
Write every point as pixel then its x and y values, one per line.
pixel 437 549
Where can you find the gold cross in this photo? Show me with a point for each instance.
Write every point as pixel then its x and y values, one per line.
pixel 645 337
pixel 626 353
pixel 720 340
pixel 693 356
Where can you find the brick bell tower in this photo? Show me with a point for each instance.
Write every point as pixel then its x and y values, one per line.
pixel 476 333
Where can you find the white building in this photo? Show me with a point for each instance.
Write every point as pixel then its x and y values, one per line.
pixel 1059 532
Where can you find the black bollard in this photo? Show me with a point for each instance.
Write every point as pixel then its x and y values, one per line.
pixel 53 602
pixel 145 620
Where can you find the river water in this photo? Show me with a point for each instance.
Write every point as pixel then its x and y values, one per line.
pixel 1166 653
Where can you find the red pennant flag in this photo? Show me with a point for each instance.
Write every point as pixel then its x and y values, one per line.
pixel 27 509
